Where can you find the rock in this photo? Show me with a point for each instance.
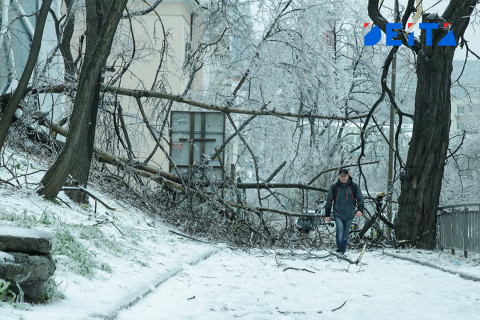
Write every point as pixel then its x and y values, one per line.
pixel 30 272
pixel 4 257
pixel 25 260
pixel 24 240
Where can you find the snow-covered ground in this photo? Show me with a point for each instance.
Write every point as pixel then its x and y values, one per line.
pixel 265 285
pixel 126 264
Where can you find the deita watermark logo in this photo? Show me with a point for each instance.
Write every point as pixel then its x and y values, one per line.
pixel 374 35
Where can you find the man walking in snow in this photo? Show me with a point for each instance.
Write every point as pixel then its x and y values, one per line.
pixel 348 202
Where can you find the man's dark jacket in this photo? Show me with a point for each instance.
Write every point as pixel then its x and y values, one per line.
pixel 346 199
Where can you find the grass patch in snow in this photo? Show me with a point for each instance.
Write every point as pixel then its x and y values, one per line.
pixel 6 294
pixel 52 292
pixel 73 254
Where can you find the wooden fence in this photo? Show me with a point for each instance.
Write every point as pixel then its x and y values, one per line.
pixel 458 228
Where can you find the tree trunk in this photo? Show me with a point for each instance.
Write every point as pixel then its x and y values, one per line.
pixel 422 181
pixel 81 172
pixel 13 102
pixel 99 41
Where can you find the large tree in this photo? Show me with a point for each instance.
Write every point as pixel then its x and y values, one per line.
pixel 422 179
pixel 103 17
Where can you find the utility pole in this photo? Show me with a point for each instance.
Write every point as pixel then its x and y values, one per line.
pixel 391 137
pixel 390 150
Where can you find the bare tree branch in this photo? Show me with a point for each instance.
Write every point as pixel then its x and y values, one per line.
pixel 177 98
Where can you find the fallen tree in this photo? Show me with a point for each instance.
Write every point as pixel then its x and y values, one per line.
pixel 173 181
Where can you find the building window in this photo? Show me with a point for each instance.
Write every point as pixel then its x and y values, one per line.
pixel 188 46
pixel 460 110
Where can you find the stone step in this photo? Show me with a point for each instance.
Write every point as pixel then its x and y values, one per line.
pixel 16 239
pixel 25 260
pixel 29 272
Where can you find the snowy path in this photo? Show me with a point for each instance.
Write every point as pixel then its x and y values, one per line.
pixel 144 289
pixel 232 285
pixel 136 252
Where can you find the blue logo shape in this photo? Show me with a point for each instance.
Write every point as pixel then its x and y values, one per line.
pixel 428 27
pixel 391 34
pixel 372 37
pixel 448 40
pixel 411 39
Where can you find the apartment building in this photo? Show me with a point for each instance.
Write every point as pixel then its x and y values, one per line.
pixel 465 95
pixel 142 38
pixel 18 23
pixel 163 40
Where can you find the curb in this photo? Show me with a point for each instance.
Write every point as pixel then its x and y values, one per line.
pixel 431 265
pixel 145 289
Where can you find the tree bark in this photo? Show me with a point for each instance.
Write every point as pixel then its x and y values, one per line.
pixel 75 154
pixel 13 102
pixel 81 172
pixel 65 37
pixel 422 180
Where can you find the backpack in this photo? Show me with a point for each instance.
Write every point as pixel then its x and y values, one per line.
pixel 353 187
